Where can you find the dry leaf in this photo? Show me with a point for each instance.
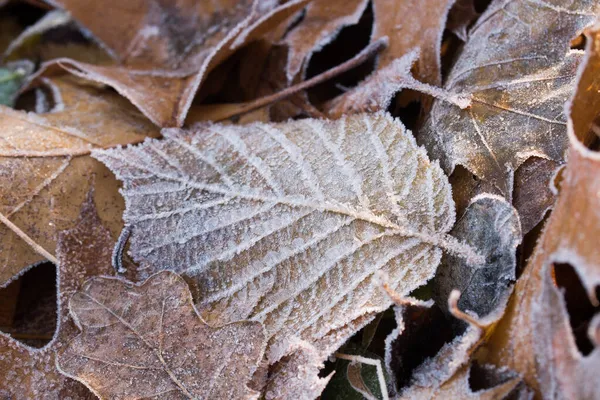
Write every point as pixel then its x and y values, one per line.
pixel 490 225
pixel 323 21
pixel 413 43
pixel 462 14
pixel 166 50
pixel 83 251
pixel 46 171
pixel 147 340
pixel 286 223
pixel 503 384
pixel 518 90
pixel 566 239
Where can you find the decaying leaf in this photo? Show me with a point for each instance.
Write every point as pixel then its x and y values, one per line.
pixel 503 383
pixel 414 43
pixel 166 50
pixel 462 14
pixel 46 169
pixel 566 239
pixel 286 224
pixel 147 340
pixel 518 90
pixel 323 20
pixel 490 225
pixel 83 251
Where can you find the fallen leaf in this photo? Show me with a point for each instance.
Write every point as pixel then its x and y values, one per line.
pixel 462 14
pixel 166 50
pixel 84 251
pixel 459 386
pixel 47 170
pixel 323 20
pixel 303 222
pixel 566 239
pixel 413 44
pixel 518 90
pixel 55 35
pixel 490 225
pixel 147 340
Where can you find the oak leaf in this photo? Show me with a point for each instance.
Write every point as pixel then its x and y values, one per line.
pixel 518 90
pixel 566 239
pixel 83 251
pixel 166 50
pixel 47 170
pixel 287 224
pixel 147 340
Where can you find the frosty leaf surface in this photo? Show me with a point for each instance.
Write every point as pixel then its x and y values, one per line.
pixel 27 373
pixel 47 170
pixel 518 89
pixel 147 340
pixel 289 224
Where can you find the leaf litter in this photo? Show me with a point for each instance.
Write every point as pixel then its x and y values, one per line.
pixel 262 252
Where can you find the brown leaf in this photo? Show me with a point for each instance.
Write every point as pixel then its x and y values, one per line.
pixel 47 170
pixel 413 44
pixel 166 50
pixel 323 21
pixel 566 239
pixel 461 15
pixel 83 251
pixel 147 340
pixel 518 90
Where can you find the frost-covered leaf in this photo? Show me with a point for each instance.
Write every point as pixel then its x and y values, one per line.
pixel 147 340
pixel 413 43
pixel 491 225
pixel 83 251
pixel 47 170
pixel 323 20
pixel 518 88
pixel 165 50
pixel 289 224
pixel 567 239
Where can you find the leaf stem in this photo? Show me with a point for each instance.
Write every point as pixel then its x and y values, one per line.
pixel 36 247
pixel 242 108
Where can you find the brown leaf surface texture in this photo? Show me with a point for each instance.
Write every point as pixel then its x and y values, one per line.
pixel 83 251
pixel 537 305
pixel 165 50
pixel 518 90
pixel 47 170
pixel 147 340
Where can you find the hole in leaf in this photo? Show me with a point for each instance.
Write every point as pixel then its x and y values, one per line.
pixel 349 42
pixel 579 307
pixel 578 42
pixel 28 306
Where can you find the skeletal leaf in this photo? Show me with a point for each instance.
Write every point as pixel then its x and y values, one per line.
pixel 47 170
pixel 166 50
pixel 147 340
pixel 518 90
pixel 566 239
pixel 288 224
pixel 83 251
pixel 491 225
